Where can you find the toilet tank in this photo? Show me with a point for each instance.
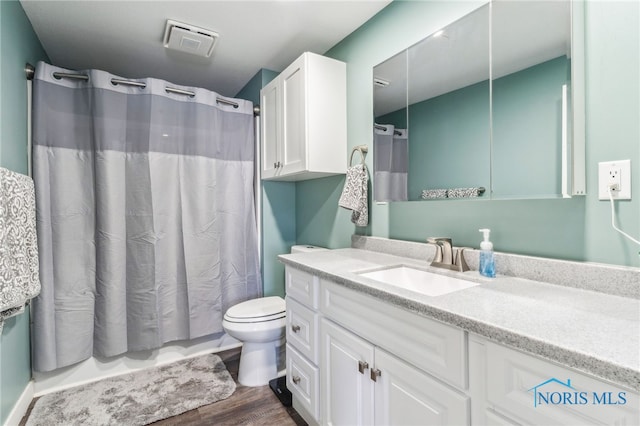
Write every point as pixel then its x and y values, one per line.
pixel 306 248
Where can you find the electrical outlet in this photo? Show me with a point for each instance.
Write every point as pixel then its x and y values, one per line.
pixel 616 174
pixel 614 178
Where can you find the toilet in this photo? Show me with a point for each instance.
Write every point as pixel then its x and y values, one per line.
pixel 260 324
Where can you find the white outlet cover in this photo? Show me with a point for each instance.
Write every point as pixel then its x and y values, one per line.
pixel 624 168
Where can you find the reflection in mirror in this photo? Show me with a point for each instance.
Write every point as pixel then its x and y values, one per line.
pixel 531 67
pixel 390 142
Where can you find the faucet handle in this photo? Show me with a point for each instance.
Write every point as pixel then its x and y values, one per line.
pixel 460 262
pixel 438 243
pixel 444 252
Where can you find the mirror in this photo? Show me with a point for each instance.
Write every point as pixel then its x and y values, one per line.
pixel 482 110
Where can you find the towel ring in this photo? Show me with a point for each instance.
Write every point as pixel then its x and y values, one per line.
pixel 362 149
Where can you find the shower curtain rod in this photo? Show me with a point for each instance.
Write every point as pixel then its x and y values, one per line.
pixel 30 71
pixel 383 128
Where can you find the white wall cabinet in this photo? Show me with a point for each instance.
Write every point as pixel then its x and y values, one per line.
pixel 304 120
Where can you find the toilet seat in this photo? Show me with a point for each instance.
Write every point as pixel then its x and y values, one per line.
pixel 263 309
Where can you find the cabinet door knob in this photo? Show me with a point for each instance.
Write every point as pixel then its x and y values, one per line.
pixel 275 165
pixel 296 379
pixel 295 328
pixel 375 373
pixel 362 365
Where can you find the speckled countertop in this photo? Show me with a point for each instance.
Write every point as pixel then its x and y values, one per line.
pixel 586 330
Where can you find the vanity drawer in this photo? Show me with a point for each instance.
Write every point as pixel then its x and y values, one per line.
pixel 302 329
pixel 302 381
pixel 302 286
pixel 434 347
pixel 533 391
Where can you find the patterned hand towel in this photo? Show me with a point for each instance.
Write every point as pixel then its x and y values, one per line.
pixel 354 195
pixel 429 194
pixel 19 274
pixel 464 193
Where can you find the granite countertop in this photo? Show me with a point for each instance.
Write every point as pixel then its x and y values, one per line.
pixel 592 332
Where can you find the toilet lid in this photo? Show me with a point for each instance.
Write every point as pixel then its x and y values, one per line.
pixel 257 310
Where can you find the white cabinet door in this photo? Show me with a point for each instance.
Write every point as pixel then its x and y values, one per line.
pixel 347 393
pixel 406 396
pixel 270 123
pixel 532 391
pixel 293 140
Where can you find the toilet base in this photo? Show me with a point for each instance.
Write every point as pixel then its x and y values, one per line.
pixel 257 363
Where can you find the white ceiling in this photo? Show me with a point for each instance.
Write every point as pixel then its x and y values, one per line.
pixel 125 37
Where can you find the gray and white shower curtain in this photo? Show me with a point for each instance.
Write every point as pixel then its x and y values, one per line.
pixel 145 215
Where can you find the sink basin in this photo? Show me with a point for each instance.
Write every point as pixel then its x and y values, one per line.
pixel 420 281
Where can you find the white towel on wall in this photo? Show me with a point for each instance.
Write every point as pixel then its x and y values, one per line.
pixel 19 267
pixel 354 195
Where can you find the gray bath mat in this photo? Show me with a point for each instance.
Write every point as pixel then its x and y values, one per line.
pixel 138 398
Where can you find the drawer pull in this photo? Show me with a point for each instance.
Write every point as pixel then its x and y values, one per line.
pixel 362 365
pixel 296 380
pixel 295 328
pixel 375 373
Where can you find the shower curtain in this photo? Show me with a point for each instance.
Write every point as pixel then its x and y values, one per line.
pixel 145 215
pixel 391 163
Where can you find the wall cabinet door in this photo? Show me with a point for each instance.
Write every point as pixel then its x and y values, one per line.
pixel 293 140
pixel 269 103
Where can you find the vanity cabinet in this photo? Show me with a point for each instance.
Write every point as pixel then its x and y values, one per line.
pixel 509 387
pixel 304 120
pixel 384 365
pixel 384 390
pixel 356 359
pixel 302 343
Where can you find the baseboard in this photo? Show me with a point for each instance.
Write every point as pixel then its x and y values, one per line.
pixel 21 406
pixel 303 412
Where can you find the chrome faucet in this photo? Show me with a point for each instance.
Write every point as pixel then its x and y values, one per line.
pixel 445 257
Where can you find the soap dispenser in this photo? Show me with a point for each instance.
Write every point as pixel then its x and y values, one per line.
pixel 487 263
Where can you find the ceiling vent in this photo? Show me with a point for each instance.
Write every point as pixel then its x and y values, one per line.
pixel 189 39
pixel 380 82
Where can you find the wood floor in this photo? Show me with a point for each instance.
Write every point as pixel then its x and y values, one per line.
pixel 247 406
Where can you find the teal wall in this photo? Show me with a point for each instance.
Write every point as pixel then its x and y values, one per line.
pixel 577 228
pixel 18 45
pixel 613 124
pixel 278 213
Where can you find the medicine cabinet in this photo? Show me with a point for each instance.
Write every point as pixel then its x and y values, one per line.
pixel 495 100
